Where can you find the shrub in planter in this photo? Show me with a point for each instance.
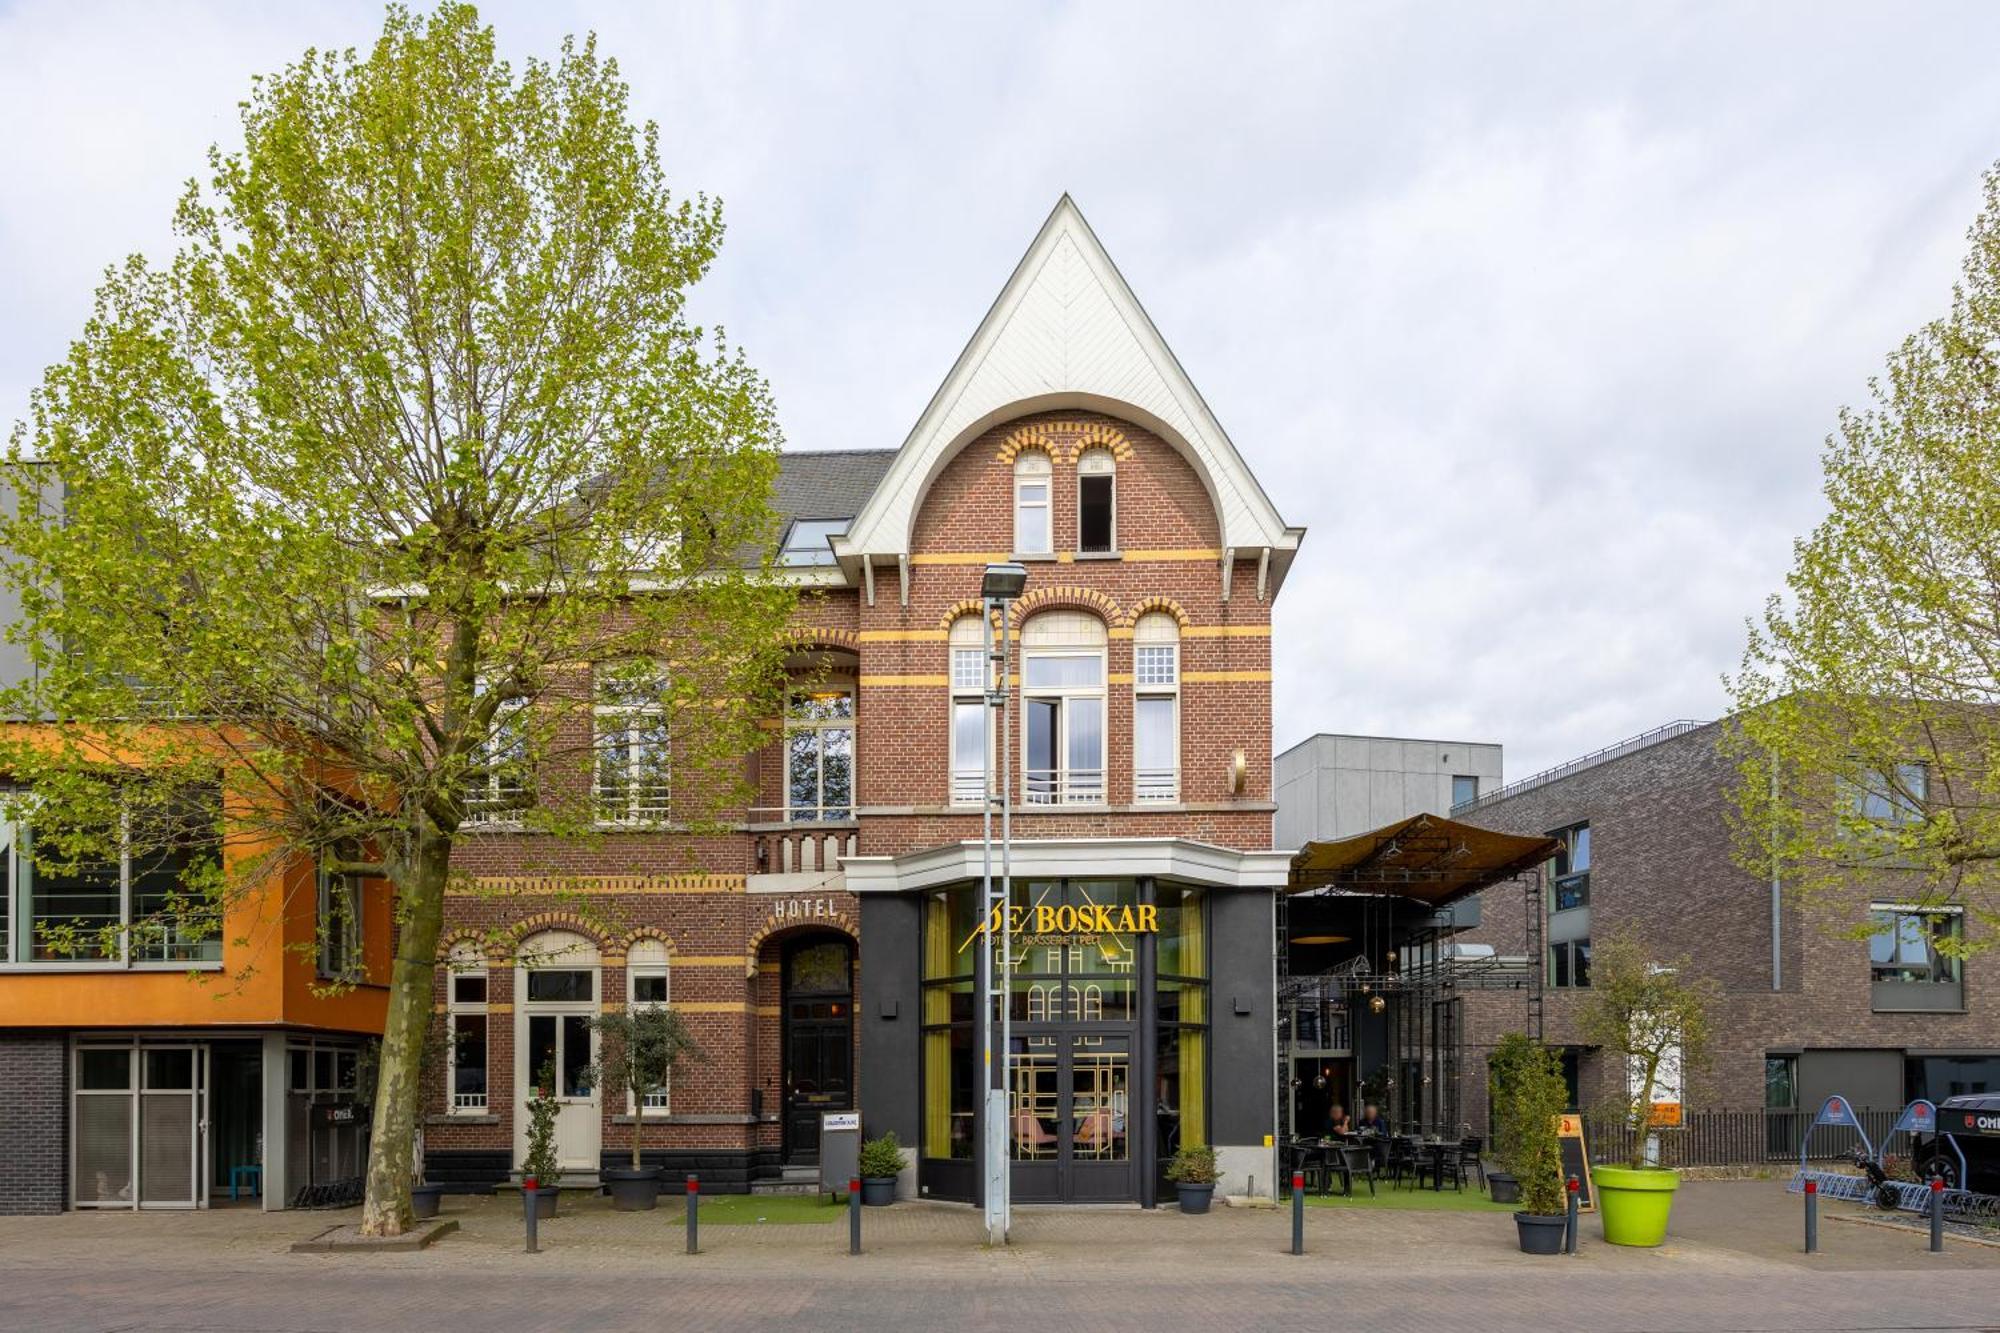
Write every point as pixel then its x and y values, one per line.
pixel 539 1163
pixel 1654 1020
pixel 879 1163
pixel 641 1048
pixel 1194 1172
pixel 1529 1094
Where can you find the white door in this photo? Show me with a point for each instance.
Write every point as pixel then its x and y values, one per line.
pixel 556 987
pixel 170 1126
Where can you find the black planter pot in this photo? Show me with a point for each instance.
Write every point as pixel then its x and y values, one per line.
pixel 1194 1198
pixel 632 1191
pixel 424 1200
pixel 878 1191
pixel 1539 1234
pixel 544 1200
pixel 1503 1187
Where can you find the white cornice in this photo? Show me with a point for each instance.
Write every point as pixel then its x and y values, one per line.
pixel 1066 331
pixel 1044 858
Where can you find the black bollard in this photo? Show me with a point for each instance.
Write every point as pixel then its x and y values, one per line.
pixel 1569 1219
pixel 854 1215
pixel 694 1214
pixel 1298 1212
pixel 1937 1214
pixel 529 1197
pixel 1812 1217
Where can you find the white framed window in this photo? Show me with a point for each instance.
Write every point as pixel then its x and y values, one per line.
pixel 500 788
pixel 1156 708
pixel 465 1004
pixel 1096 502
pixel 1062 709
pixel 632 744
pixel 1033 531
pixel 819 753
pixel 647 986
pixel 339 926
pixel 970 728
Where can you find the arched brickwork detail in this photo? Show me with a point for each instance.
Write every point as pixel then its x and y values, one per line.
pixel 1064 440
pixel 971 606
pixel 1145 604
pixel 1065 596
pixel 569 921
pixel 648 933
pixel 491 951
pixel 823 636
pixel 840 921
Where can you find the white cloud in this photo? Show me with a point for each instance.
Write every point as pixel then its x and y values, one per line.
pixel 1535 315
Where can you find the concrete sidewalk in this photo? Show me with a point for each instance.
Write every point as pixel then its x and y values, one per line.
pixel 1734 1263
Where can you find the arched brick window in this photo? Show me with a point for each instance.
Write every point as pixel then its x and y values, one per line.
pixel 1156 708
pixel 1034 529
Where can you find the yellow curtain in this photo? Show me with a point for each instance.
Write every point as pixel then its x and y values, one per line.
pixel 1194 937
pixel 937 1043
pixel 1194 1085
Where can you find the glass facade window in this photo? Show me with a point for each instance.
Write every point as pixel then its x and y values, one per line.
pixel 1915 946
pixel 1464 789
pixel 1569 964
pixel 970 726
pixel 1062 705
pixel 1569 871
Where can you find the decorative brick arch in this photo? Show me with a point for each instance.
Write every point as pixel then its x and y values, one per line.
pixel 1145 604
pixel 841 921
pixel 823 636
pixel 648 933
pixel 479 939
pixel 569 921
pixel 971 606
pixel 1065 440
pixel 1064 596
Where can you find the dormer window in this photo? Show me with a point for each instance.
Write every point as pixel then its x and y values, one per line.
pixel 809 542
pixel 1032 529
pixel 1096 503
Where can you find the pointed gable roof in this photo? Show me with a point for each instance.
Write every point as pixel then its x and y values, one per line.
pixel 1067 331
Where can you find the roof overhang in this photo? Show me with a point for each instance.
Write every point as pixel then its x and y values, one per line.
pixel 1426 858
pixel 1044 858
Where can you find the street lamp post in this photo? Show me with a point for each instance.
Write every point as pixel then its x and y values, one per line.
pixel 1000 587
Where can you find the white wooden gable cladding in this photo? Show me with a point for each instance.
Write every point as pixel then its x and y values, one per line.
pixel 1066 331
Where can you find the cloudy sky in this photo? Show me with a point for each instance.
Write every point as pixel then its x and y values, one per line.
pixel 1535 314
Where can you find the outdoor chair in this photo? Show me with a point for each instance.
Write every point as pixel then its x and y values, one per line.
pixel 1353 1161
pixel 1402 1158
pixel 1309 1162
pixel 1468 1157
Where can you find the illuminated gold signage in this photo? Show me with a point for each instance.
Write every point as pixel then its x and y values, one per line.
pixel 1043 925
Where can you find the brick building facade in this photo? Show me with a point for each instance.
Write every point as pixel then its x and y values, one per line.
pixel 1810 1006
pixel 806 946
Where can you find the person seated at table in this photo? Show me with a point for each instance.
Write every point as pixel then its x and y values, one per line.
pixel 1337 1121
pixel 1372 1121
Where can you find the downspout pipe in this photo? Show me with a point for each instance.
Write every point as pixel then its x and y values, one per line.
pixel 1777 925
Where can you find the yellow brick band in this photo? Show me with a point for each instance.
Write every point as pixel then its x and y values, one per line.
pixel 530 885
pixel 1217 677
pixel 713 1007
pixel 903 635
pixel 1226 632
pixel 961 558
pixel 708 960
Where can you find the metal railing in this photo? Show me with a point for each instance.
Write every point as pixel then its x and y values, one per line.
pixel 627 804
pixel 968 787
pixel 1542 779
pixel 1742 1138
pixel 1156 785
pixel 1062 786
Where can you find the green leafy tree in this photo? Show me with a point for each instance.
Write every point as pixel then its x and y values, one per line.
pixel 1869 727
pixel 1525 1082
pixel 1653 1022
pixel 409 457
pixel 642 1048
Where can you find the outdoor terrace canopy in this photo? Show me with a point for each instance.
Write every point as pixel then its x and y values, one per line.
pixel 1425 858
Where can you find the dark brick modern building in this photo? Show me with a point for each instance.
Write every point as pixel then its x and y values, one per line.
pixel 823 951
pixel 1810 1009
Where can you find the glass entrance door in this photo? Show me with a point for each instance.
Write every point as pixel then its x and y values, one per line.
pixel 1069 1113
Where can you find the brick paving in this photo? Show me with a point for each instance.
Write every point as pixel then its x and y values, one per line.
pixel 1734 1265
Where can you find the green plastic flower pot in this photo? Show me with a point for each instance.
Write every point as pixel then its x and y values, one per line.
pixel 1634 1204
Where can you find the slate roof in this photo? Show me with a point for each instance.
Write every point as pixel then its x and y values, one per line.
pixel 828 483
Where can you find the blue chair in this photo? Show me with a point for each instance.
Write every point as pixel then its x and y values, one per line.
pixel 251 1172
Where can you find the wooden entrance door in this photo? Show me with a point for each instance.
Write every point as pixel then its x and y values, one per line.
pixel 818 1039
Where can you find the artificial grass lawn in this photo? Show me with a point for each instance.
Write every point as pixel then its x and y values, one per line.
pixel 1423 1200
pixel 729 1210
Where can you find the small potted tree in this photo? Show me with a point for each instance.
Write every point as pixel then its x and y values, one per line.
pixel 880 1162
pixel 1528 1098
pixel 1194 1171
pixel 1653 1022
pixel 641 1048
pixel 541 1172
pixel 1503 1070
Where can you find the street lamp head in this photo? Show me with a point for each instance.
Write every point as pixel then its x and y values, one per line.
pixel 1003 583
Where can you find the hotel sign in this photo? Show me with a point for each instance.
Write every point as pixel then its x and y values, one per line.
pixel 1043 926
pixel 802 909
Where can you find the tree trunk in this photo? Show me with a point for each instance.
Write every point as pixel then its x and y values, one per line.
pixel 385 1211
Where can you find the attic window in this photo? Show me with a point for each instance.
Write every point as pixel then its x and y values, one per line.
pixel 1095 504
pixel 808 542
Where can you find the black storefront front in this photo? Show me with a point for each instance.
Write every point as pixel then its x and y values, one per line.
pixel 1118 1055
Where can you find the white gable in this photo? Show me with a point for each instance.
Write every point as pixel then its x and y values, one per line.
pixel 1067 332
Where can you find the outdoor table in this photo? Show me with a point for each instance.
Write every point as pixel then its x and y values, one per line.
pixel 1430 1154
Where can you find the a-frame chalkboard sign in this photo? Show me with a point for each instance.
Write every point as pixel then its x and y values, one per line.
pixel 1576 1162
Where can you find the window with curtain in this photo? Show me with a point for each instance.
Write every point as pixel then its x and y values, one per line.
pixel 949 952
pixel 1096 502
pixel 646 988
pixel 969 724
pixel 1033 531
pixel 1062 706
pixel 1181 991
pixel 1156 708
pixel 819 754
pixel 632 744
pixel 465 1005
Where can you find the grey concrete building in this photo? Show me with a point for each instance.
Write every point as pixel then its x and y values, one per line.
pixel 1851 998
pixel 1334 786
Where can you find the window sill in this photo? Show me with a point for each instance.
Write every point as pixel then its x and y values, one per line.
pixel 1099 555
pixel 463 1118
pixel 103 966
pixel 1034 558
